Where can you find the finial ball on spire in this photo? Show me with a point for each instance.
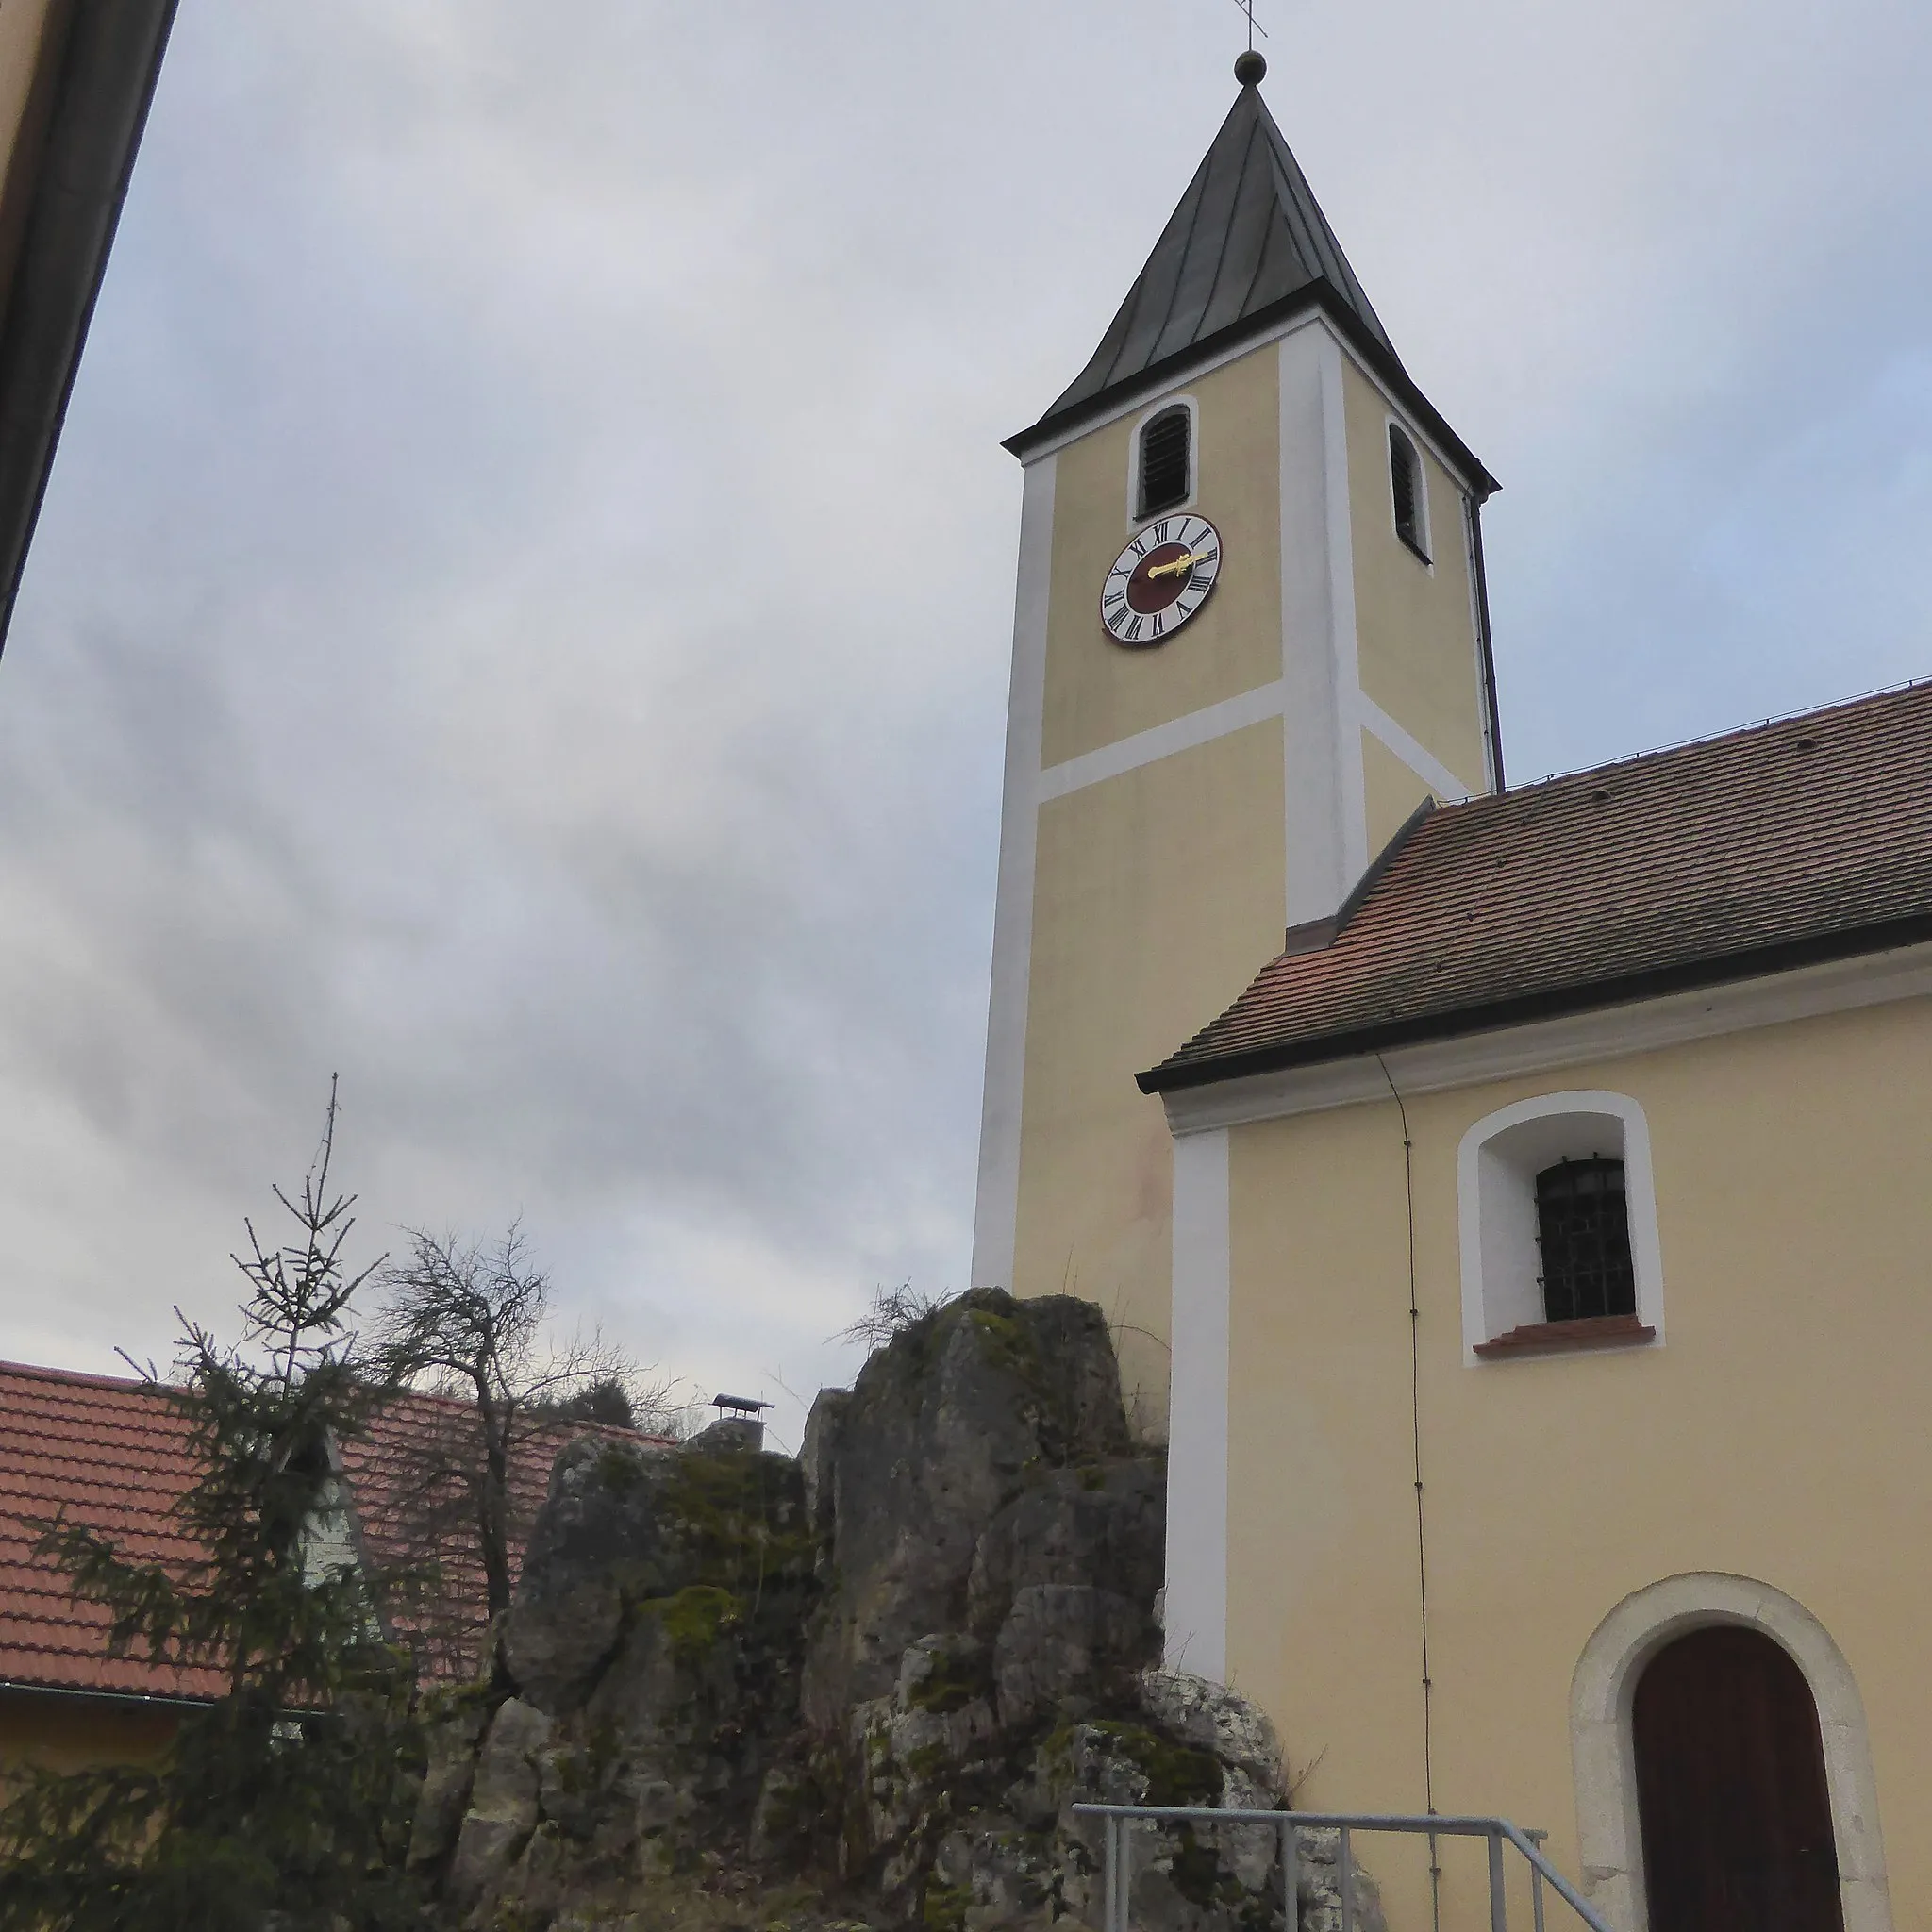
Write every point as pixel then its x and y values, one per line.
pixel 1250 67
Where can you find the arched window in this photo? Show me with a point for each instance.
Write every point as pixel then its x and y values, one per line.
pixel 1408 493
pixel 1583 1229
pixel 1559 1228
pixel 1166 460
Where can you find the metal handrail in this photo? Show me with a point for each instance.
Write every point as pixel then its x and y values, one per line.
pixel 1118 1819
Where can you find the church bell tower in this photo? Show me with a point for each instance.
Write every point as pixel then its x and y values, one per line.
pixel 1250 640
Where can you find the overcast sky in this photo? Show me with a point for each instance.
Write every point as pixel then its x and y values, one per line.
pixel 522 609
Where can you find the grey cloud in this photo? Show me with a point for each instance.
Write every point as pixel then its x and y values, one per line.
pixel 521 613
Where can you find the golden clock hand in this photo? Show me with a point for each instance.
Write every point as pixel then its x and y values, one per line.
pixel 1186 560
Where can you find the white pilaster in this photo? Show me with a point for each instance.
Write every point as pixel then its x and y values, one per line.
pixel 1196 1597
pixel 1321 767
pixel 996 1212
pixel 1354 812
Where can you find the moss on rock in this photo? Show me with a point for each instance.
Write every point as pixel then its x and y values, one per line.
pixel 944 1906
pixel 695 1620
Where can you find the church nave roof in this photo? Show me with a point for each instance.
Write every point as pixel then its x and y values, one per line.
pixel 1786 844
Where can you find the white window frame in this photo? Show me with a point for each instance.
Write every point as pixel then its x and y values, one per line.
pixel 1496 1167
pixel 1136 522
pixel 1425 527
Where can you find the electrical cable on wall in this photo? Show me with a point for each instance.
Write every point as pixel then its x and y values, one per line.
pixel 1422 1546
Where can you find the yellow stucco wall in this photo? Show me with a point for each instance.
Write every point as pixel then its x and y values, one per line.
pixel 1390 792
pixel 1158 894
pixel 1415 635
pixel 69 1733
pixel 1780 1435
pixel 23 30
pixel 31 34
pixel 1097 693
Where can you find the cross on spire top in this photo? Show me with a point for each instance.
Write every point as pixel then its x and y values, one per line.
pixel 1249 67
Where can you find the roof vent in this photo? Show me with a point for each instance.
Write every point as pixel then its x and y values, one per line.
pixel 1600 796
pixel 1806 744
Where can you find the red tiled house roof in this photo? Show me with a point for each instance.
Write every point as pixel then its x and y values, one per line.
pixel 1786 844
pixel 114 1455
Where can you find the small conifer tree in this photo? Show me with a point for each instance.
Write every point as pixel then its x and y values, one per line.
pixel 284 1804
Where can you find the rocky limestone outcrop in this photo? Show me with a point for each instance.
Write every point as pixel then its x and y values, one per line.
pixel 868 1688
pixel 653 1648
pixel 940 1433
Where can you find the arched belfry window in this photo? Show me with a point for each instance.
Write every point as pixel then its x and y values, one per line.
pixel 1408 493
pixel 1166 460
pixel 1583 1231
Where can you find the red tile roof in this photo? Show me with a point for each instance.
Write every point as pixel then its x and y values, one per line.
pixel 1789 844
pixel 114 1455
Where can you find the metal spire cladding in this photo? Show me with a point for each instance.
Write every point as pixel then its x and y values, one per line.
pixel 1247 245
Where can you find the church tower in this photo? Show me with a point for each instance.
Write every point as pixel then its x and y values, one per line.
pixel 1250 640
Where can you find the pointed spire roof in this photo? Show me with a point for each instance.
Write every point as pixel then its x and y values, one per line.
pixel 1247 247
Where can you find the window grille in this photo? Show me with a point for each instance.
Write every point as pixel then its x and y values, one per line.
pixel 1406 486
pixel 1584 1229
pixel 1164 460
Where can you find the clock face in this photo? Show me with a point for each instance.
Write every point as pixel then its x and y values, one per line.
pixel 1160 579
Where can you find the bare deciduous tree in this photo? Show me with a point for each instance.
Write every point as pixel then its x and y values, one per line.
pixel 893 1311
pixel 469 1320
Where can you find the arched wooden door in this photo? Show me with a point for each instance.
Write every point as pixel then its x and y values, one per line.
pixel 1731 1790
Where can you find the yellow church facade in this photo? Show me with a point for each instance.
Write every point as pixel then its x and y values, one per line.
pixel 1510 1202
pixel 1760 1458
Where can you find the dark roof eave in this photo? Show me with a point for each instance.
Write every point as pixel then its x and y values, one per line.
pixel 28 1687
pixel 1559 1002
pixel 1315 295
pixel 108 68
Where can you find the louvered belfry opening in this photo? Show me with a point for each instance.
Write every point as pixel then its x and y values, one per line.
pixel 1583 1226
pixel 1405 483
pixel 1164 461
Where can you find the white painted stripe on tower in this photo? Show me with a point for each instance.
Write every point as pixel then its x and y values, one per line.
pixel 1195 1603
pixel 1314 844
pixel 1163 740
pixel 996 1211
pixel 1411 751
pixel 1348 681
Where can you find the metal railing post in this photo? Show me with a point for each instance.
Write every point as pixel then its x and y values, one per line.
pixel 1110 1867
pixel 1499 1900
pixel 1124 1871
pixel 1346 1859
pixel 1290 1878
pixel 1536 1880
